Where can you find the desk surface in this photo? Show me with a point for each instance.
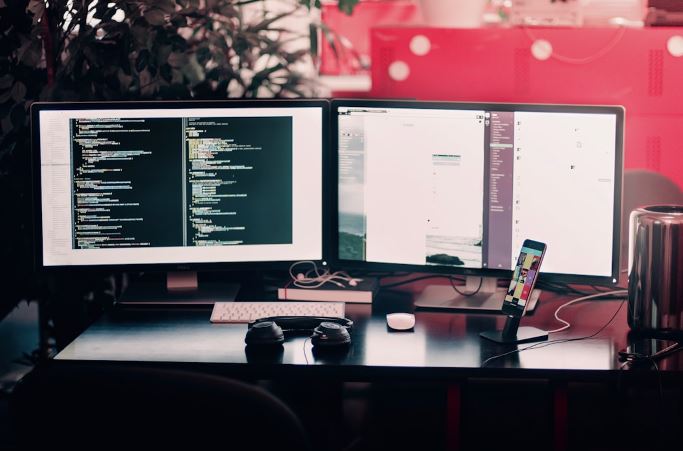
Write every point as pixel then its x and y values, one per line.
pixel 442 346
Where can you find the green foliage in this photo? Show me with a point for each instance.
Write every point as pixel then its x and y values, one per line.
pixel 346 6
pixel 166 49
pixel 22 77
pixel 127 50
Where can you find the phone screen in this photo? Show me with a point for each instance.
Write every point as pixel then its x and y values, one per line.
pixel 524 277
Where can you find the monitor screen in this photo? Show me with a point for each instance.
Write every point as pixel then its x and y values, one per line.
pixel 443 186
pixel 179 183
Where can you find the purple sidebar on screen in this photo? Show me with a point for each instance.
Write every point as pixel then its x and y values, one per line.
pixel 501 155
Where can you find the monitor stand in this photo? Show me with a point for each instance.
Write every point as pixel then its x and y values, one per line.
pixel 488 298
pixel 178 288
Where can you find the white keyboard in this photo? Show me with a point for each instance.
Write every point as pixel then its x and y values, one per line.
pixel 245 312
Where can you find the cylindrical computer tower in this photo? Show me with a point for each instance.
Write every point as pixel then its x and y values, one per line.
pixel 655 286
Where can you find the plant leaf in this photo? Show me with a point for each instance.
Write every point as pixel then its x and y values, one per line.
pixel 178 20
pixel 6 81
pixel 155 17
pixel 142 60
pixel 331 39
pixel 166 72
pixel 346 6
pixel 37 8
pixel 203 55
pixel 5 96
pixel 18 115
pixel 19 91
pixel 30 52
pixel 177 59
pixel 264 24
pixel 167 6
pixel 313 33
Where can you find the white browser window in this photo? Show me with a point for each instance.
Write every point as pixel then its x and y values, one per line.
pixel 564 189
pixel 420 170
pixel 465 187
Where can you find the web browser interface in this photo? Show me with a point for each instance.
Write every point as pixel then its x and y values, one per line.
pixel 465 188
pixel 183 185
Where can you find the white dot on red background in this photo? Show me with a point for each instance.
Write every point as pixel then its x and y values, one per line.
pixel 399 71
pixel 420 45
pixel 541 49
pixel 675 45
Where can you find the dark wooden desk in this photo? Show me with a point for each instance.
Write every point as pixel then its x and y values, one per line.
pixel 443 345
pixel 445 348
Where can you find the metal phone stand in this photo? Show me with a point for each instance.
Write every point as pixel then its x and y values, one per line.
pixel 512 333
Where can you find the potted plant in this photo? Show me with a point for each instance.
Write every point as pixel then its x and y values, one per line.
pixel 123 50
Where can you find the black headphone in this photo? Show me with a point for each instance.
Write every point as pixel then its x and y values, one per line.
pixel 326 332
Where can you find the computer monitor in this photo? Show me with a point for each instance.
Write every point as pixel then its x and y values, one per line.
pixel 179 185
pixel 456 188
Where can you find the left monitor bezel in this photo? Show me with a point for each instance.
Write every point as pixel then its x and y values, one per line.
pixel 37 107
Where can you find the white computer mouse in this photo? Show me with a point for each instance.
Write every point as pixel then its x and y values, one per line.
pixel 400 321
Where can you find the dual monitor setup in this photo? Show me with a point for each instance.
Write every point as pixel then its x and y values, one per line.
pixel 374 185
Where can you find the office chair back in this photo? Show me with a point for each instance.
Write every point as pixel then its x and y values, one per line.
pixel 643 187
pixel 68 406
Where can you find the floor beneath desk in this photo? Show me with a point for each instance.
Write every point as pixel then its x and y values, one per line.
pixel 494 414
pixel 18 338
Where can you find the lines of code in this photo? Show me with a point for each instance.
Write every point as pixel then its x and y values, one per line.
pixel 125 182
pixel 239 180
pixel 159 182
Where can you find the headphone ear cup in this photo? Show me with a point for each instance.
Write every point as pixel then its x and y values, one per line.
pixel 330 334
pixel 265 333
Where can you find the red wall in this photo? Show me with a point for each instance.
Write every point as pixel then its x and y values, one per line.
pixel 355 31
pixel 629 67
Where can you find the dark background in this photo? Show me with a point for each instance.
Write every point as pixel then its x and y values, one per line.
pixel 156 180
pixel 266 212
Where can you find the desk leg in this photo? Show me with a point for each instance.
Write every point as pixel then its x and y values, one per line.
pixel 560 417
pixel 453 417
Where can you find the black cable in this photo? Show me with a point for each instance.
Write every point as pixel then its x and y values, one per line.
pixel 622 398
pixel 481 282
pixel 5 391
pixel 552 342
pixel 377 274
pixel 550 286
pixel 619 381
pixel 652 360
pixel 561 288
pixel 661 388
pixel 660 411
pixel 599 288
pixel 565 288
pixel 414 279
pixel 305 356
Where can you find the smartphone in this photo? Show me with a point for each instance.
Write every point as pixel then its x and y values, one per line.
pixel 524 277
pixel 647 349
